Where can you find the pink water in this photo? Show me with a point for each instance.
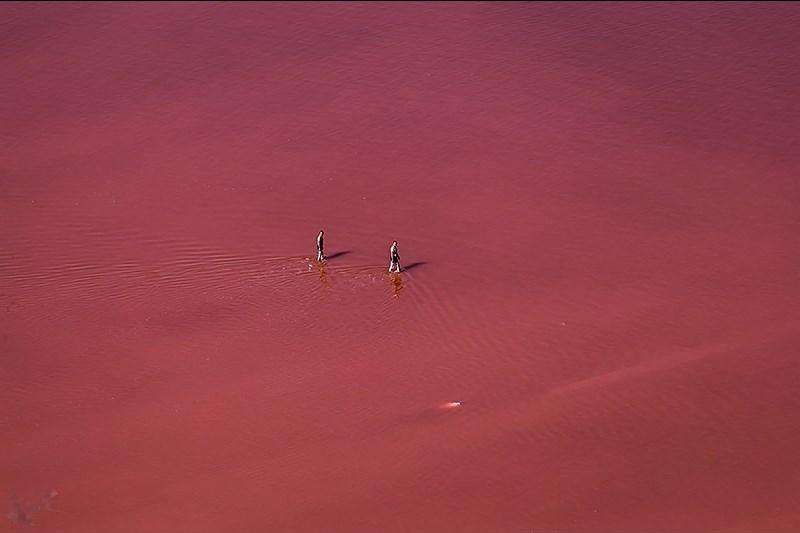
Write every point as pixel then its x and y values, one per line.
pixel 596 205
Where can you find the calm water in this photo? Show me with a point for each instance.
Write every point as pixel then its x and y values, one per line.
pixel 596 205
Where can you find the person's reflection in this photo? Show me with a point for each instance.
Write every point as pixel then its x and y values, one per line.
pixel 323 277
pixel 397 284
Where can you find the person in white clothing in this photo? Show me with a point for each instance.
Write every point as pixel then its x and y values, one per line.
pixel 321 246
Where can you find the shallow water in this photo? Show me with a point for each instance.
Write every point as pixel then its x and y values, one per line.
pixel 595 205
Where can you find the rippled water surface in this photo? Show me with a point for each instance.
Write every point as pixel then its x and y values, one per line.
pixel 597 209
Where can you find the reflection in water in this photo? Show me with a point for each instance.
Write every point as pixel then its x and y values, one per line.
pixel 397 283
pixel 323 277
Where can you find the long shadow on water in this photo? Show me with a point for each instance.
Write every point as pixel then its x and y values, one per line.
pixel 415 265
pixel 337 254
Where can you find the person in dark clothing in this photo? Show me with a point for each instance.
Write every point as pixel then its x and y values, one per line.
pixel 394 258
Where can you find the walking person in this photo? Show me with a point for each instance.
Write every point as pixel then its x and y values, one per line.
pixel 394 258
pixel 320 246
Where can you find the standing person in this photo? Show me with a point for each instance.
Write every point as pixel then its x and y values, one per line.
pixel 320 246
pixel 394 258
